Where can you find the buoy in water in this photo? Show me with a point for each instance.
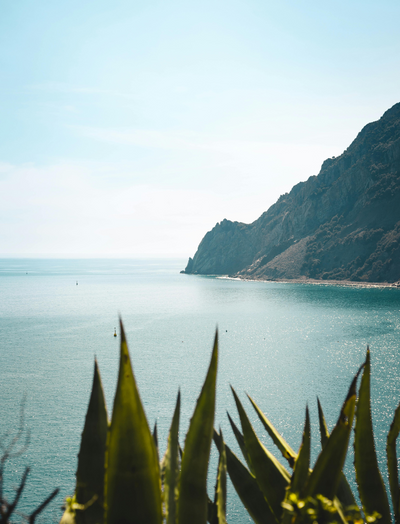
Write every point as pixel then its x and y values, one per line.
pixel 115 332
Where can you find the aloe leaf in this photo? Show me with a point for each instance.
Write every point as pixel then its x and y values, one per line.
pixel 155 439
pixel 344 492
pixel 155 435
pixel 240 440
pixel 271 476
pixel 192 504
pixel 171 466
pixel 90 472
pixel 302 464
pixel 212 515
pixel 246 487
pixel 370 484
pixel 392 463
pixel 323 428
pixel 132 487
pixel 300 471
pixel 279 441
pixel 325 476
pixel 221 484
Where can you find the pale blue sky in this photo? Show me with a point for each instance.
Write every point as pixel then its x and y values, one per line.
pixel 130 128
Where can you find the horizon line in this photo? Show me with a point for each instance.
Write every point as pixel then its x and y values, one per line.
pixel 82 256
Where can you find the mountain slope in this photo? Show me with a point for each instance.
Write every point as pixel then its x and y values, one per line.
pixel 343 224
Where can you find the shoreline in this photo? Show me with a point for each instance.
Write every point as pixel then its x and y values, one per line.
pixel 305 280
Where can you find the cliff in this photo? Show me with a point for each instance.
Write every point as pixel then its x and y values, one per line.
pixel 343 224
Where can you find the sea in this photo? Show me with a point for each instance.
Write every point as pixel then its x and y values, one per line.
pixel 284 344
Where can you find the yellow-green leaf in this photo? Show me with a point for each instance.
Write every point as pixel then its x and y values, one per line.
pixel 246 487
pixel 132 488
pixel 392 463
pixel 171 467
pixel 370 484
pixel 212 512
pixel 155 436
pixel 279 441
pixel 192 504
pixel 302 464
pixel 90 473
pixel 240 440
pixel 344 492
pixel 325 477
pixel 221 484
pixel 271 476
pixel 323 428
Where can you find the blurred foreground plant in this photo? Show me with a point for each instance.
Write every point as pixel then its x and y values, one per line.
pixel 273 494
pixel 119 477
pixel 121 481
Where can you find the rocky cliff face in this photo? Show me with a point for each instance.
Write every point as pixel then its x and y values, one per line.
pixel 343 224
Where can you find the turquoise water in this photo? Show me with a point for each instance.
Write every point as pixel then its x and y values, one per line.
pixel 284 344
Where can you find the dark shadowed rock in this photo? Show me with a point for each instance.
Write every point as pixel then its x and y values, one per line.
pixel 343 224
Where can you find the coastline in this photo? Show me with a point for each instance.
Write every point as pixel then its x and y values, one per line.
pixel 306 280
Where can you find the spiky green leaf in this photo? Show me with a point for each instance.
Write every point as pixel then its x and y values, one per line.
pixel 323 427
pixel 279 441
pixel 90 472
pixel 212 511
pixel 240 440
pixel 271 476
pixel 221 484
pixel 155 435
pixel 326 474
pixel 171 466
pixel 192 504
pixel 344 492
pixel 392 463
pixel 132 488
pixel 302 463
pixel 370 484
pixel 246 487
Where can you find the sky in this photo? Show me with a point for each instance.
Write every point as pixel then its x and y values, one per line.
pixel 130 128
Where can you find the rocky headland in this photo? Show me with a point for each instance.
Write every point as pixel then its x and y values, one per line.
pixel 342 225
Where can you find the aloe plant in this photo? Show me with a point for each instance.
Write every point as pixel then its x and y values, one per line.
pixel 119 477
pixel 132 483
pixel 320 494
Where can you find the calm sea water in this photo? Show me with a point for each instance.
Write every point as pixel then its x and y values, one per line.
pixel 284 344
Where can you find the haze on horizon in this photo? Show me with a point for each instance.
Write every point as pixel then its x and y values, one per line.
pixel 131 128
